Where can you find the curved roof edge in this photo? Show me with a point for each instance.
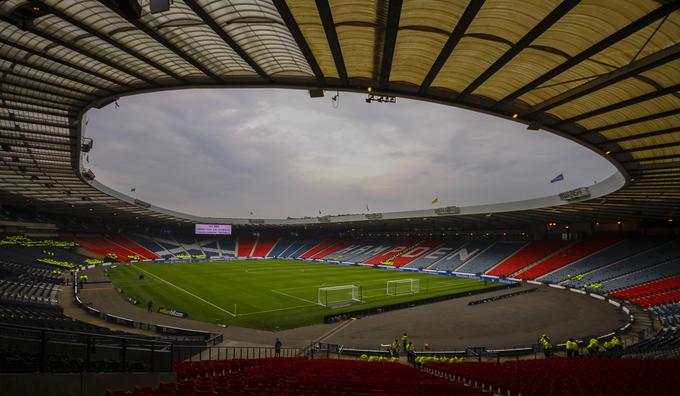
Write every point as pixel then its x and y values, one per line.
pixel 603 188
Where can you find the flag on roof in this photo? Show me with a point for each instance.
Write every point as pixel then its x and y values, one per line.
pixel 435 200
pixel 133 189
pixel 557 178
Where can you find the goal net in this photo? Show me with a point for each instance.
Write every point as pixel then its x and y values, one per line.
pixel 334 296
pixel 403 286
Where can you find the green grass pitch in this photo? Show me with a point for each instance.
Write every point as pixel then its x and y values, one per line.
pixel 269 294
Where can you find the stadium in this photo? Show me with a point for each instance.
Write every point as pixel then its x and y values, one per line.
pixel 572 293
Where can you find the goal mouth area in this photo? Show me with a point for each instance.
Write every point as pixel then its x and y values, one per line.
pixel 339 296
pixel 402 287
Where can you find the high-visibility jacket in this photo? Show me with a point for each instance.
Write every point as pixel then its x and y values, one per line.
pixel 593 344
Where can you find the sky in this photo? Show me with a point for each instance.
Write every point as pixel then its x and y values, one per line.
pixel 279 153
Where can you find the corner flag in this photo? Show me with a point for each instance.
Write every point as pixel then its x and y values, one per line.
pixel 557 178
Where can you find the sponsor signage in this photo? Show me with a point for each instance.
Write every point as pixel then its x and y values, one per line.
pixel 213 229
pixel 575 194
pixel 449 210
pixel 172 312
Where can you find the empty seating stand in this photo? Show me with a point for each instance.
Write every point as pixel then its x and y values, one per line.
pixel 645 289
pixel 526 256
pixel 301 376
pixel 569 377
pixel 572 253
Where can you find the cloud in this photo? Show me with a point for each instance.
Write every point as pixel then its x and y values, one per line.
pixel 279 153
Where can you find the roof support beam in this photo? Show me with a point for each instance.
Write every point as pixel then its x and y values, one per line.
pixel 26 120
pixel 617 36
pixel 332 36
pixel 631 122
pixel 32 109
pixel 89 54
pixel 391 30
pixel 109 40
pixel 662 157
pixel 645 148
pixel 640 66
pixel 30 95
pixel 299 38
pixel 644 135
pixel 198 10
pixel 55 73
pixel 75 94
pixel 462 25
pixel 56 60
pixel 533 34
pixel 625 103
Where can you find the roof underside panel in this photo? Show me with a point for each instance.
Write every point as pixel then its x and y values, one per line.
pixel 106 21
pixel 257 27
pixel 499 24
pixel 307 18
pixel 424 27
pixel 187 31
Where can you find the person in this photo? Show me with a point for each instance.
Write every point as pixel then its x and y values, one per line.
pixel 572 348
pixel 395 348
pixel 593 346
pixel 410 353
pixel 546 345
pixel 404 342
pixel 149 306
pixel 277 347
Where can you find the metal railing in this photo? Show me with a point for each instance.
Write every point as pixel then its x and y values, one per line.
pixel 192 353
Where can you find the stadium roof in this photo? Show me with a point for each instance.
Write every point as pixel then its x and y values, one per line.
pixel 605 74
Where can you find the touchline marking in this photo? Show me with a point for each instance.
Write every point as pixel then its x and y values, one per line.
pixel 187 292
pixel 279 309
pixel 289 295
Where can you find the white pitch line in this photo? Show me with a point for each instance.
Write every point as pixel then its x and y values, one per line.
pixel 279 309
pixel 187 292
pixel 289 295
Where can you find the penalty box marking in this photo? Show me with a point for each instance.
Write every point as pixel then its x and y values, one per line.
pixel 187 292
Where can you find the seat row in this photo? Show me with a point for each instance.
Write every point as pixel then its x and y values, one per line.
pixel 301 376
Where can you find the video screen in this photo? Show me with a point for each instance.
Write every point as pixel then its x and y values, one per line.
pixel 213 229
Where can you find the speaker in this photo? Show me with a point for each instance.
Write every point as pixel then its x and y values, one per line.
pixel 316 93
pixel 157 6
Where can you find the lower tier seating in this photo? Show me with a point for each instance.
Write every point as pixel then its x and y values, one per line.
pixel 301 376
pixel 570 376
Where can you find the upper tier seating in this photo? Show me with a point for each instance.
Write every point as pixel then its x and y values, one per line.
pixel 664 270
pixel 453 261
pixel 670 296
pixel 129 244
pixel 263 247
pixel 436 254
pixel 526 256
pixel 301 376
pixel 245 246
pixel 415 252
pixel 649 258
pixel 281 246
pixel 572 253
pixel 318 248
pixel 653 287
pixel 490 257
pixel 571 377
pixel 608 255
pixel 388 255
pixel 335 247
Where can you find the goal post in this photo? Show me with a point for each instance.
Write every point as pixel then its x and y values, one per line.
pixel 403 286
pixel 334 296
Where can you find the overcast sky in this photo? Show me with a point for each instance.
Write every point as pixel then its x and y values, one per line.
pixel 279 153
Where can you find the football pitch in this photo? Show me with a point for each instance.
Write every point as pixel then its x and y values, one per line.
pixel 272 294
